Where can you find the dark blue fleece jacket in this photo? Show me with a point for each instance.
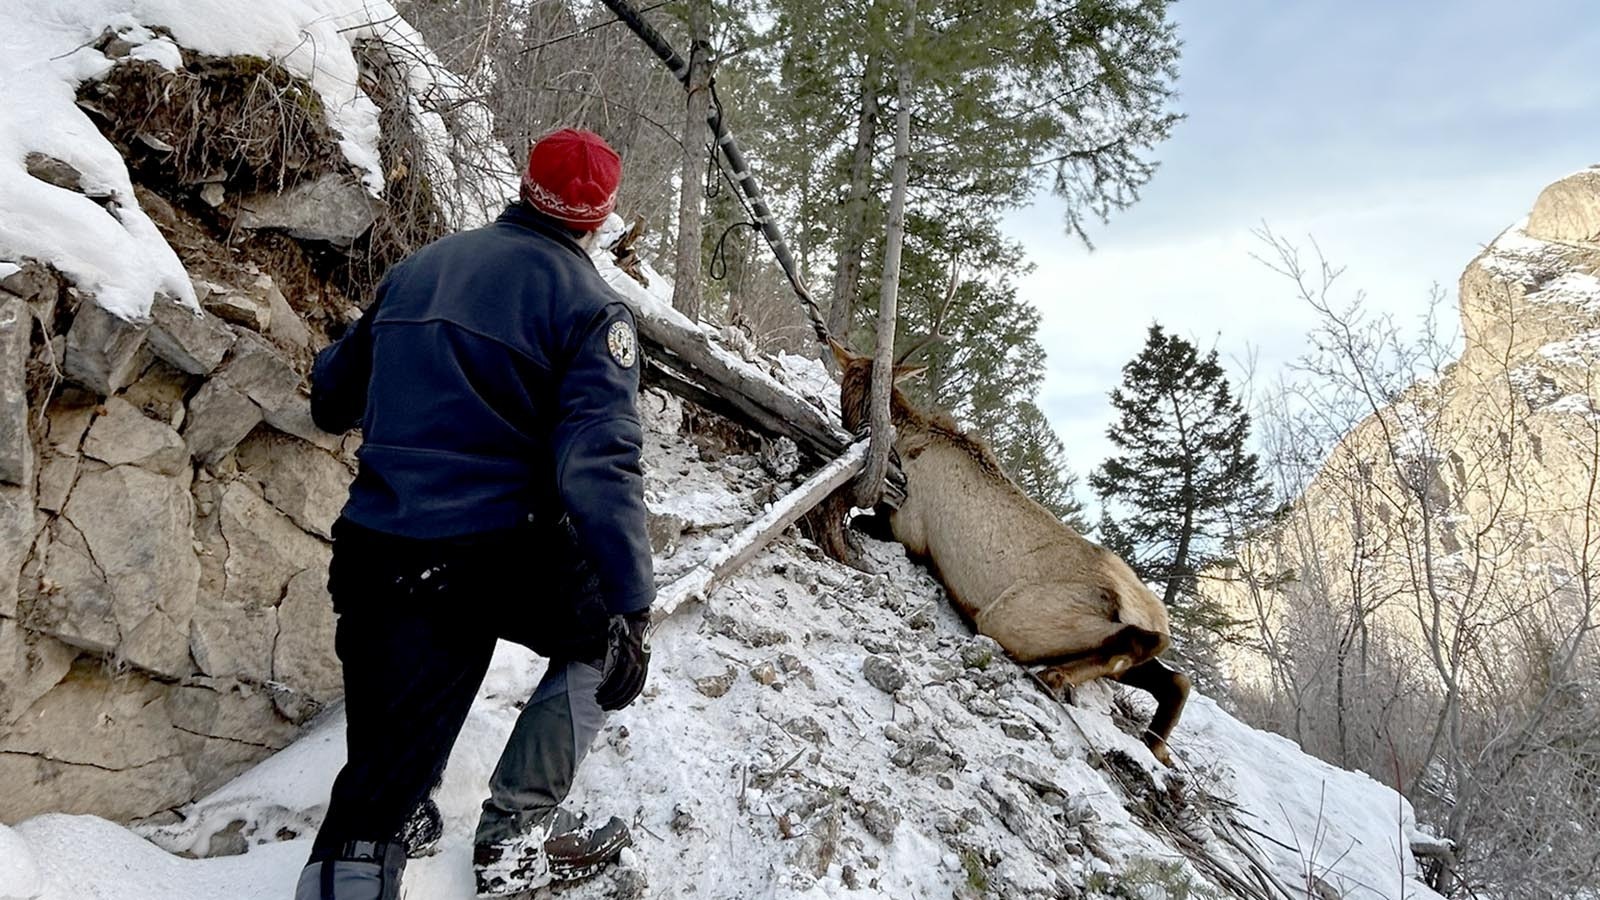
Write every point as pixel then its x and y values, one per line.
pixel 495 379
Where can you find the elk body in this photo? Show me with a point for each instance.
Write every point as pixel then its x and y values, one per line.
pixel 1023 577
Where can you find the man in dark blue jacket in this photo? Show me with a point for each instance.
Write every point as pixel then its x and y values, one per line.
pixel 499 495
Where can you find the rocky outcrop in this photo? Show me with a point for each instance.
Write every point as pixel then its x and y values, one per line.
pixel 1483 475
pixel 163 615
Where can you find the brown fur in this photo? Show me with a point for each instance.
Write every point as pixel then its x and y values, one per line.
pixel 1026 579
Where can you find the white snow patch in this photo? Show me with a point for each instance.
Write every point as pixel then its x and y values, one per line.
pixel 8 269
pixel 1577 289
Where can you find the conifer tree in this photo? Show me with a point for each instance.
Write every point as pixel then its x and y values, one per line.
pixel 1032 454
pixel 1183 481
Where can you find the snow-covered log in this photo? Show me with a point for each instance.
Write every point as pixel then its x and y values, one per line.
pixel 755 536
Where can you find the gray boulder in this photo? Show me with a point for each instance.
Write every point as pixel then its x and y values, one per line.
pixel 30 665
pixel 102 351
pixel 98 742
pixel 1569 210
pixel 138 531
pixel 303 661
pixel 16 447
pixel 246 308
pixel 267 377
pixel 194 341
pixel 332 208
pixel 304 482
pixel 125 436
pixel 219 417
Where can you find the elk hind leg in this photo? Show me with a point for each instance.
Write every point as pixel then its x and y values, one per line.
pixel 1126 648
pixel 1171 690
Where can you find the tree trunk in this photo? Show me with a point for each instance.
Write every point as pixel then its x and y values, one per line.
pixel 686 275
pixel 847 271
pixel 869 488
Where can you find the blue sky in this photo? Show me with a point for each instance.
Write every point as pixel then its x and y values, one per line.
pixel 1403 136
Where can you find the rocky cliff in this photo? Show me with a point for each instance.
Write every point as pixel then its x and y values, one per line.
pixel 189 204
pixel 1461 513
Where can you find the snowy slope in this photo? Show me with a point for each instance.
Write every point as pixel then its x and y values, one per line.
pixel 800 778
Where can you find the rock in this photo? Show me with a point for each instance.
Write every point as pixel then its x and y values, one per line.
pixel 287 328
pixel 665 530
pixel 307 484
pixel 880 820
pixel 102 350
pixel 194 341
pixel 16 339
pixel 1569 210
pixel 682 819
pixel 138 531
pixel 765 673
pixel 39 287
pixel 73 602
pixel 331 208
pixel 883 673
pixel 270 380
pixel 979 651
pixel 242 308
pixel 716 685
pixel 160 393
pixel 1021 731
pixel 125 436
pixel 98 742
pixel 265 549
pixel 54 171
pixel 224 727
pixel 230 841
pixel 219 418
pixel 807 728
pixel 232 642
pixel 303 660
pixel 212 194
pixel 30 665
pixel 56 475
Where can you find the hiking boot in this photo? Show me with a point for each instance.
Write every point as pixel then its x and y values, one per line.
pixel 422 831
pixel 567 850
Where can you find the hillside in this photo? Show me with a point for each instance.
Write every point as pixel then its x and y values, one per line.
pixel 169 721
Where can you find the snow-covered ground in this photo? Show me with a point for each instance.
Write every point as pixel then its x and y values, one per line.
pixel 766 760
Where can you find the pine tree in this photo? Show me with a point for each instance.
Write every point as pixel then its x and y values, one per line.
pixel 1032 454
pixel 1183 482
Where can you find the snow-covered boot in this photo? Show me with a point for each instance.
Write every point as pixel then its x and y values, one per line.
pixel 422 831
pixel 567 849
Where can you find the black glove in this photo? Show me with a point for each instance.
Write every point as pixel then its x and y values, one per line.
pixel 627 660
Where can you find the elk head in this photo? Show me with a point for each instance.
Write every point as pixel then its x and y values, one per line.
pixel 855 388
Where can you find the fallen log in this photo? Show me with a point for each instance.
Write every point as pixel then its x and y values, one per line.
pixel 699 581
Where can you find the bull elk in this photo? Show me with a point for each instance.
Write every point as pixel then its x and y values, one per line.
pixel 1023 577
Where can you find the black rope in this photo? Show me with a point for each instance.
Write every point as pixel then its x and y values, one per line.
pixel 719 256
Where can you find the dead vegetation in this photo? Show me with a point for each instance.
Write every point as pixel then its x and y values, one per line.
pixel 224 128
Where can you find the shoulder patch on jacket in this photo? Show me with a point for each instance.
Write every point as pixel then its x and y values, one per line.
pixel 620 341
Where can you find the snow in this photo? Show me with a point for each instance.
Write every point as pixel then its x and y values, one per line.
pixel 1579 290
pixel 733 795
pixel 115 252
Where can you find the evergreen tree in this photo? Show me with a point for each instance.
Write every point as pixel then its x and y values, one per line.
pixel 1032 454
pixel 1183 482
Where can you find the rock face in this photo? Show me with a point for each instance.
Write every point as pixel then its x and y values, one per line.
pixel 333 209
pixel 1488 466
pixel 164 620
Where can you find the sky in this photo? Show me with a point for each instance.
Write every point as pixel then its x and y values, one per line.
pixel 1402 136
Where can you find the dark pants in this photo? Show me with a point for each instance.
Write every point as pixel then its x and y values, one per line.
pixel 418 621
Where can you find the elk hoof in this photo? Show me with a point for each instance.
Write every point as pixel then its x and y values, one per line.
pixel 1158 749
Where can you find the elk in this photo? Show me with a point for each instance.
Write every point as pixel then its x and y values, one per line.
pixel 1023 577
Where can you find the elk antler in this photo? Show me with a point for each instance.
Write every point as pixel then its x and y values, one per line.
pixel 937 336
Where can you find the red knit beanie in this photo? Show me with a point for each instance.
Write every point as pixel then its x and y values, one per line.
pixel 572 177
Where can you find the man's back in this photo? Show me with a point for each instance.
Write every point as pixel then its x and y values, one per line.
pixel 482 370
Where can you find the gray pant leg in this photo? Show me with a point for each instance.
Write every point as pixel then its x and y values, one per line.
pixel 347 880
pixel 541 758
